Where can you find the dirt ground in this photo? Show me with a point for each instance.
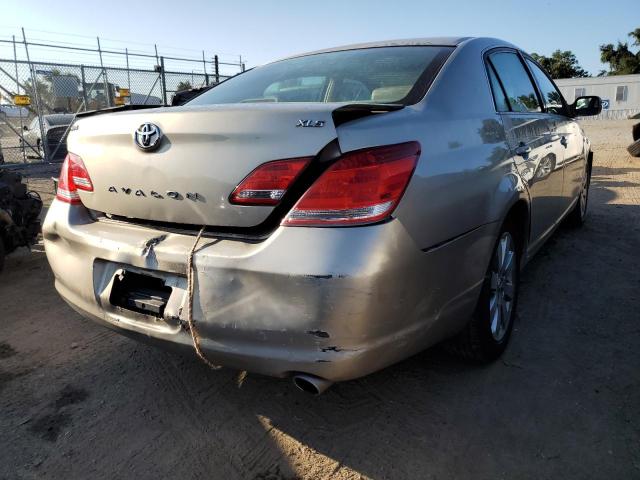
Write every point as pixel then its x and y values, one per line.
pixel 78 401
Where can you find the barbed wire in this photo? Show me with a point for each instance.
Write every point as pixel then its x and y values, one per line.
pixel 92 44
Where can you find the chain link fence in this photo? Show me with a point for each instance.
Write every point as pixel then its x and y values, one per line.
pixel 39 100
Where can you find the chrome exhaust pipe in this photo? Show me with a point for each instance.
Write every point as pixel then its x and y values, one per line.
pixel 310 383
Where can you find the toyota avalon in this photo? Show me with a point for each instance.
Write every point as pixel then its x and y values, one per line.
pixel 326 215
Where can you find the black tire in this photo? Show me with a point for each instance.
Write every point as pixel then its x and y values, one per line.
pixel 479 342
pixel 578 215
pixel 634 149
pixel 1 254
pixel 635 132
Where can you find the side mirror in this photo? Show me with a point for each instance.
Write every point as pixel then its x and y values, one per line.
pixel 586 106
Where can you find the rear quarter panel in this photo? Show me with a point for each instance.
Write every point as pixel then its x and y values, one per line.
pixel 465 177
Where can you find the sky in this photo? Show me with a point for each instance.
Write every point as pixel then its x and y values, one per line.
pixel 262 31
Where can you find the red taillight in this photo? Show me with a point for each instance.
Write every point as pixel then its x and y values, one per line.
pixel 361 187
pixel 73 177
pixel 267 184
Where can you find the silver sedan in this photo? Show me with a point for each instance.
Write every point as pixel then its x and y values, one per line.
pixel 324 216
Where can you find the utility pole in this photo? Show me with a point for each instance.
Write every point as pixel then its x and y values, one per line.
pixel 34 83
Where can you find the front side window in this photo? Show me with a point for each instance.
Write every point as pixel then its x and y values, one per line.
pixel 375 75
pixel 553 102
pixel 516 82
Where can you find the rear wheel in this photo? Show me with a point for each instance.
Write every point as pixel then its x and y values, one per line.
pixel 579 212
pixel 486 335
pixel 1 254
pixel 634 149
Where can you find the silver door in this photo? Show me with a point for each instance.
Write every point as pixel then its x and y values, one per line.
pixel 532 137
pixel 567 132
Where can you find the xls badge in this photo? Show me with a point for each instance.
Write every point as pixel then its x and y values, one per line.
pixel 310 123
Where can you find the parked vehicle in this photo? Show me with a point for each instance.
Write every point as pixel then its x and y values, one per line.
pixel 55 126
pixel 357 205
pixel 634 148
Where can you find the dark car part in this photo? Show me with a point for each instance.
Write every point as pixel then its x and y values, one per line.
pixel 19 214
pixel 634 148
pixel 56 138
pixel 140 293
pixel 183 96
pixel 119 108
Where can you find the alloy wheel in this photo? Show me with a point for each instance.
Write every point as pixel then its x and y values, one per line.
pixel 502 287
pixel 584 195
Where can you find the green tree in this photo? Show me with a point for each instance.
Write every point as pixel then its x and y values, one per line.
pixel 45 95
pixel 621 60
pixel 561 64
pixel 183 86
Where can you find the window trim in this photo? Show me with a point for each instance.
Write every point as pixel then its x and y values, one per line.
pixel 565 106
pixel 487 62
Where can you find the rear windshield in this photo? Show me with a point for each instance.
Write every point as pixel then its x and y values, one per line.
pixel 374 75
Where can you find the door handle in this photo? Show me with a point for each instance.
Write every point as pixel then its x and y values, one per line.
pixel 523 150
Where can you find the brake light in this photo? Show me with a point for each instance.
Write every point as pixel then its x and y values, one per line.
pixel 364 186
pixel 73 177
pixel 267 184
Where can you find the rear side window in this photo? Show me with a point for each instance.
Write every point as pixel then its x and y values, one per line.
pixel 550 95
pixel 520 92
pixel 375 75
pixel 502 105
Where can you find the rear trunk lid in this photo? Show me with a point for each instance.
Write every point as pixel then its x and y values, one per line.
pixel 205 152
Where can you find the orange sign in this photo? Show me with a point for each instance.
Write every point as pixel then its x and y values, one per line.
pixel 21 100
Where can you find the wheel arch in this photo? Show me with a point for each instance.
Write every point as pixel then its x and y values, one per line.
pixel 518 216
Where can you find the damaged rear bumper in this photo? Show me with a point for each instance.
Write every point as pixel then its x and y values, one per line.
pixel 337 303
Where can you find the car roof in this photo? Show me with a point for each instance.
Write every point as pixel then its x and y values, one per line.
pixel 407 42
pixel 441 41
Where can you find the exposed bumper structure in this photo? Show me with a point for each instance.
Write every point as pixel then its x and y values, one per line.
pixel 337 303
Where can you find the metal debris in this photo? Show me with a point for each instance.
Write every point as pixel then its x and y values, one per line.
pixel 19 214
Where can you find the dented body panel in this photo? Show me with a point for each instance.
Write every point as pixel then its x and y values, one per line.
pixel 288 304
